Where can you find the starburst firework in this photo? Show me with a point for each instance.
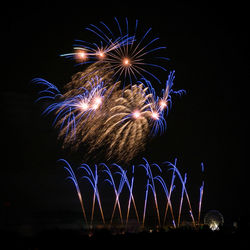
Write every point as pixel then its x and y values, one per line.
pixel 130 55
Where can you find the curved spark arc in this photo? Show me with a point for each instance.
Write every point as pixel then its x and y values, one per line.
pixel 168 195
pixel 158 104
pixel 127 125
pixel 184 190
pixel 93 180
pixel 120 188
pixel 201 195
pixel 73 178
pixel 170 190
pixel 117 192
pixel 150 183
pixel 76 112
pixel 51 91
pixel 130 186
pixel 181 201
pixel 124 177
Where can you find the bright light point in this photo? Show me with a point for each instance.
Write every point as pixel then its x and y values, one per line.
pixel 155 115
pixel 83 106
pixel 126 62
pixel 101 54
pixel 214 226
pixel 96 102
pixel 163 104
pixel 136 114
pixel 81 55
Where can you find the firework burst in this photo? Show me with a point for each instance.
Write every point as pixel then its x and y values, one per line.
pixel 100 108
pixel 129 52
pixel 97 112
pixel 127 125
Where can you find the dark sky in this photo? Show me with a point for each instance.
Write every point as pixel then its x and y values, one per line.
pixel 207 45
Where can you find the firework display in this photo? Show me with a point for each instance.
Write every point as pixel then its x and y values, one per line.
pixel 123 181
pixel 111 104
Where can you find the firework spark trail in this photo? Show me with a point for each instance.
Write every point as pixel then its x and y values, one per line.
pixel 184 190
pixel 93 180
pixel 124 179
pixel 151 184
pixel 201 195
pixel 169 196
pixel 181 201
pixel 51 91
pixel 83 79
pixel 131 197
pixel 117 192
pixel 73 178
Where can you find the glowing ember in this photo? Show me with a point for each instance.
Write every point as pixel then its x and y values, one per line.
pixel 136 114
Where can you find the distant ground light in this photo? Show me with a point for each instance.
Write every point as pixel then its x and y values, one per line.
pixel 214 219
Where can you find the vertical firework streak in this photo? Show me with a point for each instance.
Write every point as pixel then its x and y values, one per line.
pixel 150 184
pixel 130 187
pixel 181 201
pixel 117 192
pixel 201 195
pixel 73 178
pixel 169 196
pixel 184 190
pixel 124 180
pixel 93 182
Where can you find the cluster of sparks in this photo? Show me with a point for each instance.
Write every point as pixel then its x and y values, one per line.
pixel 111 103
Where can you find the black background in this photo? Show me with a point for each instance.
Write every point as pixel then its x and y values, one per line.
pixel 207 45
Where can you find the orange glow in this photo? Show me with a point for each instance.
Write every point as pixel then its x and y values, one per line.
pixel 126 62
pixel 83 106
pixel 163 104
pixel 136 114
pixel 81 55
pixel 101 54
pixel 96 102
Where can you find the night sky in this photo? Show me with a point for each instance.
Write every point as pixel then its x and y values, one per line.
pixel 207 45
